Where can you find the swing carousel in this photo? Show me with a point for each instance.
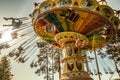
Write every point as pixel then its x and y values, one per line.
pixel 75 38
pixel 73 26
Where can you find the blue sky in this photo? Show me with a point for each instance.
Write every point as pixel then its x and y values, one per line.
pixel 22 8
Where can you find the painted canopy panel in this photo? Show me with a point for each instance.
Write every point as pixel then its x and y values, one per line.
pixel 74 20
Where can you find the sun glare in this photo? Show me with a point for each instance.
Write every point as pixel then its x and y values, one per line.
pixel 6 36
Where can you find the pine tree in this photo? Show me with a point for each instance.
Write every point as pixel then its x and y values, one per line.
pixel 5 69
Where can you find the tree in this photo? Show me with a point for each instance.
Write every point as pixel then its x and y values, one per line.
pixel 5 69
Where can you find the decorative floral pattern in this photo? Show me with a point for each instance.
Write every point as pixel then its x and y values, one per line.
pixel 64 2
pixel 70 65
pixel 69 50
pixel 46 6
pixel 89 4
pixel 78 64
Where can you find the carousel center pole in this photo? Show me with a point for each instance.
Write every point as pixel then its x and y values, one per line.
pixel 72 59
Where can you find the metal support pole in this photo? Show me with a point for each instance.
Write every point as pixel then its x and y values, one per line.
pixel 59 68
pixel 47 65
pixel 97 65
pixel 87 64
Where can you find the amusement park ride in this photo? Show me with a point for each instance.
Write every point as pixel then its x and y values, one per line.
pixel 69 32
